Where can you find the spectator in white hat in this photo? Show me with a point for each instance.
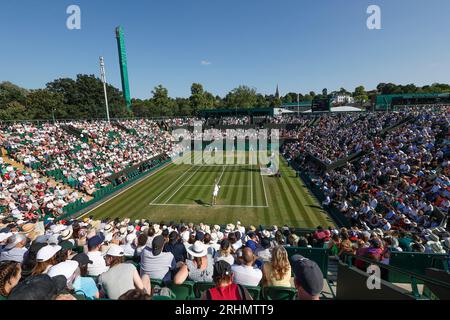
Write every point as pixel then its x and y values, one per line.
pixel 200 268
pixel 121 277
pixel 129 247
pixel 45 258
pixel 14 249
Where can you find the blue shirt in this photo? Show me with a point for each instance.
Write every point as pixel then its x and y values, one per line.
pixel 86 286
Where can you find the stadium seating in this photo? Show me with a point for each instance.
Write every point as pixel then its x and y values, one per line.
pixel 416 263
pixel 279 293
pixel 318 255
pixel 183 291
pixel 201 287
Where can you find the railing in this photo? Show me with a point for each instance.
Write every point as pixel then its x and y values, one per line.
pixel 414 277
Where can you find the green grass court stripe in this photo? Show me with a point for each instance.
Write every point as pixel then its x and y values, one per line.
pixel 290 202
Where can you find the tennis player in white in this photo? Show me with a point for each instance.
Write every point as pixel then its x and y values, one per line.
pixel 215 193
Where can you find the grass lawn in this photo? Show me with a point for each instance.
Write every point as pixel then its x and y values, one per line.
pixel 184 192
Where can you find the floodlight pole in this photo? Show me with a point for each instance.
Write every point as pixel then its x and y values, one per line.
pixel 103 76
pixel 298 104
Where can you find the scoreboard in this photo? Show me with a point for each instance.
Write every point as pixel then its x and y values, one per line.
pixel 321 104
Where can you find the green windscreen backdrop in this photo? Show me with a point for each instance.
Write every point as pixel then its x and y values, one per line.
pixel 123 65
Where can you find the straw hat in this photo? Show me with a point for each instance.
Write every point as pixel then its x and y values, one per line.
pixel 27 228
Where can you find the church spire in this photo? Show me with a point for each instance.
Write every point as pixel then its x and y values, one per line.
pixel 277 93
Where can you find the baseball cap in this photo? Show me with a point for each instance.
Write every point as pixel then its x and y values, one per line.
pixel 39 287
pixel 251 244
pixel 157 245
pixel 307 274
pixel 265 243
pixel 221 269
pixel 67 245
pixel 115 251
pixel 66 269
pixel 47 252
pixel 199 236
pixel 82 259
pixel 95 241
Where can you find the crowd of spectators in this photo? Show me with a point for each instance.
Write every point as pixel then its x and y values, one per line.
pixel 92 259
pixel 401 182
pixel 116 259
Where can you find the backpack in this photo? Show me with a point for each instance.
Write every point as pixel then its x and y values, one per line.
pixel 163 291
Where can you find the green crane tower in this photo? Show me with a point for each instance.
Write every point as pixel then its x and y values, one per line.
pixel 123 65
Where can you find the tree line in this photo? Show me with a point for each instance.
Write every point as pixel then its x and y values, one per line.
pixel 83 98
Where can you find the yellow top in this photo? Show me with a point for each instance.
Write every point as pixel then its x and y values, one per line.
pixel 270 277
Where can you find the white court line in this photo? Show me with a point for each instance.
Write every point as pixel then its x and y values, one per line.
pixel 197 205
pixel 183 184
pixel 126 189
pixel 220 178
pixel 251 186
pixel 224 185
pixel 264 187
pixel 168 188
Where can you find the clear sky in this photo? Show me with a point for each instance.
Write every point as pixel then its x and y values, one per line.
pixel 302 45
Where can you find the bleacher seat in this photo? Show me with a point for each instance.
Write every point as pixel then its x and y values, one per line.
pixel 414 262
pixel 279 293
pixel 157 282
pixel 201 287
pixel 183 291
pixel 318 255
pixel 255 292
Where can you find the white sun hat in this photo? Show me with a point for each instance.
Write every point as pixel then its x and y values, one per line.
pixel 198 249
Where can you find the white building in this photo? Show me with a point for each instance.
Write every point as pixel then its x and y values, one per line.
pixel 342 98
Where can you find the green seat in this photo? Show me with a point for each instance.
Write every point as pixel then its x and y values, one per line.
pixel 318 255
pixel 183 291
pixel 157 282
pixel 255 292
pixel 161 298
pixel 414 262
pixel 201 287
pixel 279 293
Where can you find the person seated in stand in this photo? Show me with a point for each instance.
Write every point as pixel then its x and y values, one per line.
pixel 224 288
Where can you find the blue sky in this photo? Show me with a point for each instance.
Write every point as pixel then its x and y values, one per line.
pixel 302 45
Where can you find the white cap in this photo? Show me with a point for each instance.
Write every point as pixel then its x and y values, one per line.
pixel 115 251
pixel 4 236
pixel 66 269
pixel 130 238
pixel 47 252
pixel 130 228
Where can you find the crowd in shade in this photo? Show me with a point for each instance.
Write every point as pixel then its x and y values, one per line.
pixel 227 121
pixel 181 122
pixel 401 182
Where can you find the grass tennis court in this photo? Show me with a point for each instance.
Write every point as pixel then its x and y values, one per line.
pixel 184 192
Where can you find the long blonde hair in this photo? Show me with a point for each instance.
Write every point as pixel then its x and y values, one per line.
pixel 280 262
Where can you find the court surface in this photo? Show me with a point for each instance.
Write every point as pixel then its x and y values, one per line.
pixel 183 192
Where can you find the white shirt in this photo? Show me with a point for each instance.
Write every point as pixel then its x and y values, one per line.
pixel 216 189
pixel 98 265
pixel 246 275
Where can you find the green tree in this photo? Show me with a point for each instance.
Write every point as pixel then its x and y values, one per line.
pixel 360 94
pixel 161 104
pixel 242 97
pixel 44 104
pixel 13 111
pixel 201 99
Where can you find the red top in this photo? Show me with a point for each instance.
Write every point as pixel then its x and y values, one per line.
pixel 230 292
